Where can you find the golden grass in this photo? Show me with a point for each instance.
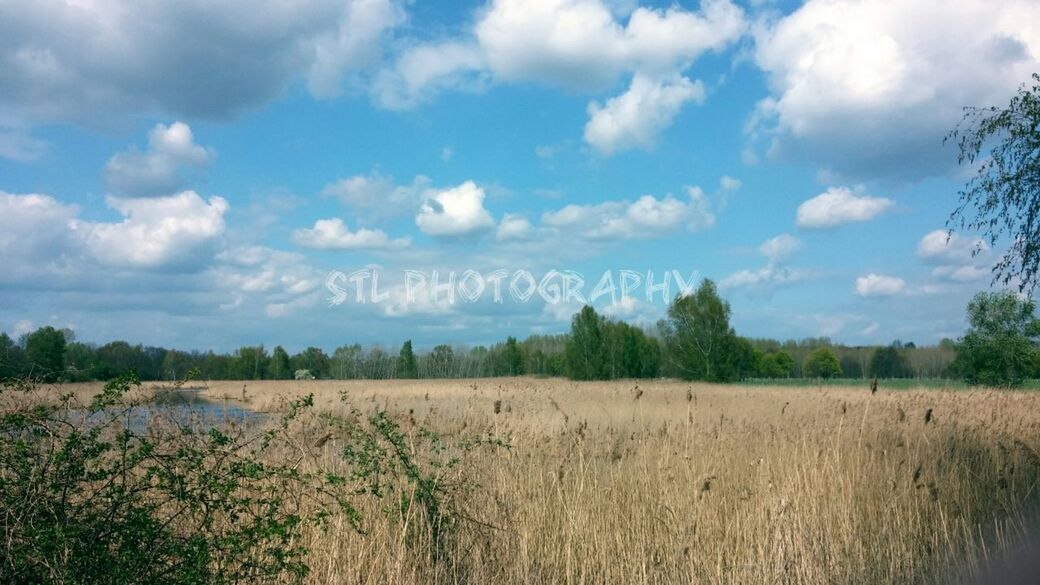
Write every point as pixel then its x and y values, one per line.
pixel 669 482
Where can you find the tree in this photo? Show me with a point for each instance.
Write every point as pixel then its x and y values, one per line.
pixel 698 337
pixel 12 358
pixel 442 360
pixel 583 354
pixel 512 358
pixel 889 362
pixel 45 352
pixel 279 367
pixel 998 348
pixel 406 366
pixel 773 364
pixel 1003 197
pixel 822 363
pixel 251 363
pixel 314 360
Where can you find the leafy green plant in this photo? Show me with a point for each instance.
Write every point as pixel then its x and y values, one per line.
pixel 412 471
pixel 117 491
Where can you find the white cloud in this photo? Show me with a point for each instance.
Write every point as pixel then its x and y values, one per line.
pixel 333 234
pixel 839 205
pixel 635 118
pixel 953 256
pixel 376 195
pixel 730 184
pixel 764 279
pixel 939 246
pixel 869 90
pixel 513 227
pixel 156 232
pixel 777 251
pixel 158 170
pixel 580 44
pixel 780 248
pixel 424 70
pixel 85 61
pixel 258 269
pixel 879 285
pixel 33 227
pixel 584 45
pixel 647 217
pixel 454 212
pixel 354 43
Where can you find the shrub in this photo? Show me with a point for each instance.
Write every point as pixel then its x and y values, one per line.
pixel 120 490
pixel 822 363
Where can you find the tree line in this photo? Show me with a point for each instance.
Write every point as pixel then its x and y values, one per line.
pixel 695 341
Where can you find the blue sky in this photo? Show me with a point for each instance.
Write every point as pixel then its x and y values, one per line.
pixel 188 175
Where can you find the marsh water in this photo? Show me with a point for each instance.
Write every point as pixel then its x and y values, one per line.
pixel 186 406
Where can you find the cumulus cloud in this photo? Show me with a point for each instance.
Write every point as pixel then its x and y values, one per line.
pixel 940 246
pixel 879 285
pixel 452 212
pixel 156 232
pixel 41 236
pixel 579 44
pixel 259 269
pixel 647 217
pixel 955 257
pixel 33 227
pixel 159 170
pixel 83 61
pixel 780 248
pixel 838 206
pixel 870 91
pixel 333 234
pixel 777 251
pixel 513 227
pixel 582 45
pixel 376 195
pixel 634 118
pixel 422 71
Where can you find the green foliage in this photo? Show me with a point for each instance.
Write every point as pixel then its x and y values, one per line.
pixel 1000 345
pixel 889 362
pixel 279 368
pixel 406 366
pixel 822 363
pixel 45 354
pixel 251 363
pixel 1003 197
pixel 700 343
pixel 601 349
pixel 122 491
pixel 417 475
pixel 312 359
pixel 773 364
pixel 511 362
pixel 584 351
pixel 88 497
pixel 12 358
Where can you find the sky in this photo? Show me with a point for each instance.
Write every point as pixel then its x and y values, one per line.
pixel 210 175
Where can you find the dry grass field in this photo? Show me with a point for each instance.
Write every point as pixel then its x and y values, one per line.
pixel 670 482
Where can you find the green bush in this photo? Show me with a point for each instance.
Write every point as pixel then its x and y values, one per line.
pixel 822 363
pixel 102 493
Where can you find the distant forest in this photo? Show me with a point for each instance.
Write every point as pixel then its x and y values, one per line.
pixel 695 342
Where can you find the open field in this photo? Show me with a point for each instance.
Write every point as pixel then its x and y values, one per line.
pixel 670 482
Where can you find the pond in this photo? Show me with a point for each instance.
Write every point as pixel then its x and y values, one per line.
pixel 185 406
